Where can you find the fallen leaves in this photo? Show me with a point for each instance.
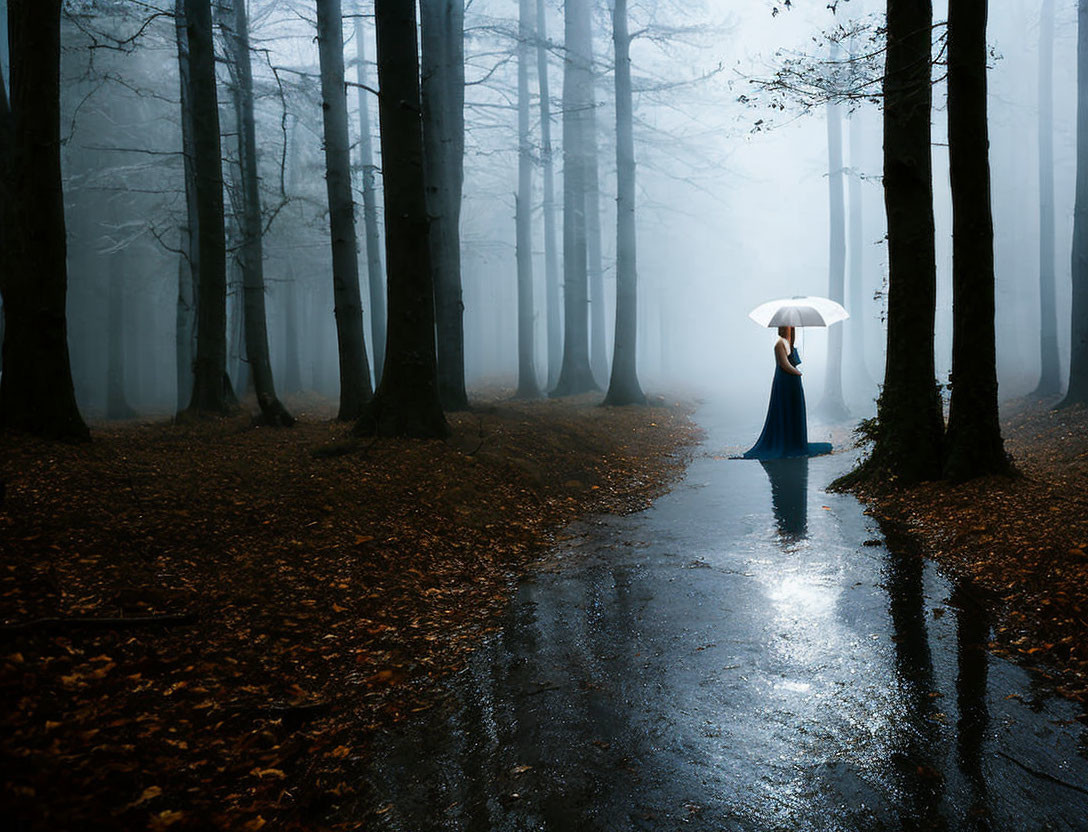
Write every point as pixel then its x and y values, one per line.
pixel 329 593
pixel 1021 539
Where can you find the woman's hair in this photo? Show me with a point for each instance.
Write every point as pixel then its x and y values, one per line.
pixel 786 332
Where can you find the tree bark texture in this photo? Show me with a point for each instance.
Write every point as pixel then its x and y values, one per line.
pixel 443 95
pixel 375 272
pixel 1050 368
pixel 552 292
pixel 210 380
pixel 188 260
pixel 973 445
pixel 575 375
pixel 355 389
pixel 406 402
pixel 832 407
pixel 36 390
pixel 910 423
pixel 1077 391
pixel 251 255
pixel 528 388
pixel 623 386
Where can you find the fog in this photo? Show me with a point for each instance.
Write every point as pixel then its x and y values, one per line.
pixel 732 197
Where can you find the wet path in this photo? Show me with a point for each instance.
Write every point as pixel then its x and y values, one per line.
pixel 747 654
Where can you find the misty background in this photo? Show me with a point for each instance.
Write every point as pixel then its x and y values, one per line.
pixel 732 200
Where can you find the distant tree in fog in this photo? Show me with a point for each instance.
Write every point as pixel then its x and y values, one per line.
pixel 1050 370
pixel 355 387
pixel 575 375
pixel 528 387
pixel 443 96
pixel 1078 361
pixel 251 252
pixel 36 390
pixel 973 444
pixel 406 402
pixel 552 304
pixel 374 270
pixel 832 405
pixel 623 386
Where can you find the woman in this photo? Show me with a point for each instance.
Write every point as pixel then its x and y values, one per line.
pixel 785 433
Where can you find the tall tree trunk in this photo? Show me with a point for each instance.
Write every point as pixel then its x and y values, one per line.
pixel 623 387
pixel 859 302
pixel 832 407
pixel 252 251
pixel 210 380
pixel 1050 368
pixel 188 260
pixel 551 248
pixel 406 402
pixel 117 406
pixel 374 271
pixel 598 351
pixel 442 28
pixel 355 389
pixel 1078 357
pixel 909 427
pixel 36 390
pixel 973 444
pixel 292 373
pixel 528 388
pixel 575 375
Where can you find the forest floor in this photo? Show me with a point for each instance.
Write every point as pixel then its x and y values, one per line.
pixel 319 587
pixel 1021 541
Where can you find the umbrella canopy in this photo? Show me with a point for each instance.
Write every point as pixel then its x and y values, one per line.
pixel 799 311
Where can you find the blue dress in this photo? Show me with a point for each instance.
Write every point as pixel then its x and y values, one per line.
pixel 785 433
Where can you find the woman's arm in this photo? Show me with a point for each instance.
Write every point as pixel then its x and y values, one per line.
pixel 782 356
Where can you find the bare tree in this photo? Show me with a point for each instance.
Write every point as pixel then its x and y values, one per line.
pixel 832 406
pixel 528 388
pixel 1077 392
pixel 355 389
pixel 406 402
pixel 210 380
pixel 1050 369
pixel 252 251
pixel 443 96
pixel 553 308
pixel 909 428
pixel 575 375
pixel 623 387
pixel 375 272
pixel 973 445
pixel 36 391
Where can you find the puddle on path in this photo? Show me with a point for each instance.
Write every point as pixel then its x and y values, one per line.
pixel 737 657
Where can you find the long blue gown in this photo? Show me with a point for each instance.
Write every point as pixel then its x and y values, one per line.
pixel 785 432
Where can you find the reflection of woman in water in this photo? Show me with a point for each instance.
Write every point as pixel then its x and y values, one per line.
pixel 785 432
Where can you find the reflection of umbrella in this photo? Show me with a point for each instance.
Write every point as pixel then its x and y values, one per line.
pixel 799 311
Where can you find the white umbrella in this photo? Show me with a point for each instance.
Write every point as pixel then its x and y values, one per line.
pixel 799 311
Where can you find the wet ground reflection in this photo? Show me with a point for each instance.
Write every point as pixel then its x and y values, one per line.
pixel 731 660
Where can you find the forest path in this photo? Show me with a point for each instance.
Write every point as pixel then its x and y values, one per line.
pixel 746 654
